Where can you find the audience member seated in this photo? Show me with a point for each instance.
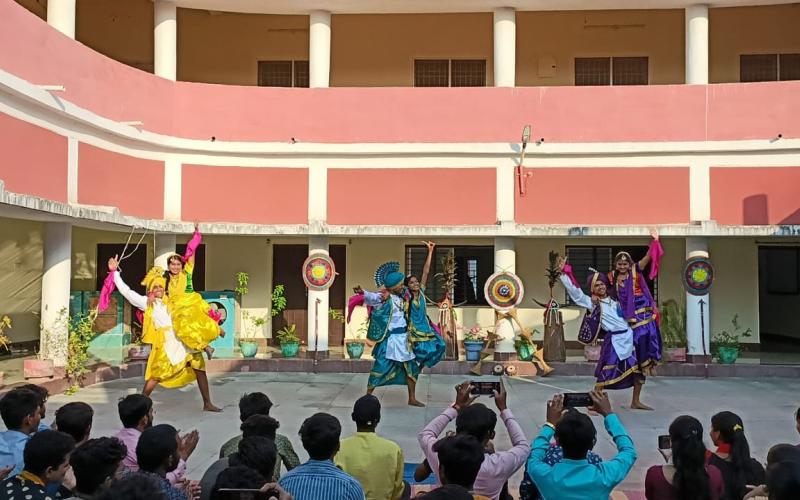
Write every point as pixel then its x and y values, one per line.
pixel 136 413
pixel 479 421
pixel 76 420
pixel 157 452
pixel 237 478
pixel 44 395
pixel 95 464
pixel 20 410
pixel 780 453
pixel 257 403
pixel 134 487
pixel 554 455
pixel 319 478
pixel 446 492
pixel 797 423
pixel 688 477
pixel 732 456
pixel 460 460
pixel 783 480
pixel 575 478
pixel 256 452
pixel 46 461
pixel 375 462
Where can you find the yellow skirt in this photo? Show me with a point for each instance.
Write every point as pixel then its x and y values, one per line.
pixel 191 322
pixel 172 376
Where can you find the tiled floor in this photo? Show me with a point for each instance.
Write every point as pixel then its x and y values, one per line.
pixel 766 406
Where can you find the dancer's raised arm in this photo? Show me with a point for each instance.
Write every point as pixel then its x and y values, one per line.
pixel 427 267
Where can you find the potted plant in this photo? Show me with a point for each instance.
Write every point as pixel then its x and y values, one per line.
pixel 51 346
pixel 81 333
pixel 673 330
pixel 726 343
pixel 248 344
pixel 5 323
pixel 474 339
pixel 289 341
pixel 354 345
pixel 524 347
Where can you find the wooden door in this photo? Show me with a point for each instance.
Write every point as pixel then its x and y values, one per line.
pixel 287 263
pixel 338 295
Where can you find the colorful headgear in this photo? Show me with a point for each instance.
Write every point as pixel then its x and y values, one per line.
pixel 384 270
pixel 623 256
pixel 154 277
pixel 393 279
pixel 594 277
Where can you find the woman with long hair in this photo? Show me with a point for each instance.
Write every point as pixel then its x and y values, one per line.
pixel 688 477
pixel 426 341
pixel 732 456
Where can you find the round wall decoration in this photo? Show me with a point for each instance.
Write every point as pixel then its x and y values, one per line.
pixel 698 275
pixel 503 291
pixel 319 271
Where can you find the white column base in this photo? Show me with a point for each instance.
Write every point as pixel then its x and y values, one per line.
pixel 165 46
pixel 61 16
pixel 317 329
pixel 697 44
pixel 505 47
pixel 55 292
pixel 319 49
pixel 165 246
pixel 505 260
pixel 698 310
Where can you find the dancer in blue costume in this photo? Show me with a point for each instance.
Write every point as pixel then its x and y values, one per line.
pixel 395 362
pixel 426 341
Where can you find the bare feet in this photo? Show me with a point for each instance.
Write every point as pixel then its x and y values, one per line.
pixel 638 405
pixel 209 351
pixel 210 407
pixel 414 402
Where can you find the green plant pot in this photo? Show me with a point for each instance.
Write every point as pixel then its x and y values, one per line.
pixel 355 349
pixel 727 355
pixel 473 349
pixel 290 349
pixel 525 352
pixel 249 349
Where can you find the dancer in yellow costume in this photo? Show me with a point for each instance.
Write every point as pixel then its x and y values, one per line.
pixel 192 319
pixel 171 363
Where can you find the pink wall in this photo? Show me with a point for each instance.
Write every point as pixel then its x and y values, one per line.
pixel 586 196
pixel 34 159
pixel 240 194
pixel 133 185
pixel 346 115
pixel 755 195
pixel 412 196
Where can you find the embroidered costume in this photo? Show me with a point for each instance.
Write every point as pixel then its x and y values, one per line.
pixel 426 340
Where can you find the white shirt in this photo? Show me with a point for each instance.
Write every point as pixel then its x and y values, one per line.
pixel 175 349
pixel 396 344
pixel 611 319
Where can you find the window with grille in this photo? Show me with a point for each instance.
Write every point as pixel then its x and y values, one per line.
pixel 789 66
pixel 611 71
pixel 283 73
pixel 449 73
pixel 601 258
pixel 769 67
pixel 474 265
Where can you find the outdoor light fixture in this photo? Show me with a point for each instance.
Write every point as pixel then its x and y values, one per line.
pixel 526 137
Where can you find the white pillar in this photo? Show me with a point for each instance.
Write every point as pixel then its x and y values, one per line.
pixel 697 44
pixel 61 16
pixel 319 49
pixel 698 324
pixel 505 47
pixel 165 246
pixel 55 291
pixel 318 244
pixel 699 190
pixel 173 189
pixel 165 57
pixel 505 259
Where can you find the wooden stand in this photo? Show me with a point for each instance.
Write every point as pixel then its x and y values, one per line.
pixel 555 348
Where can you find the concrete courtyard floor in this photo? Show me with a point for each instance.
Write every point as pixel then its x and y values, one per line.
pixel 766 406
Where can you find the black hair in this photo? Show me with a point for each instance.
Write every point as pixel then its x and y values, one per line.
pixel 47 449
pixel 731 431
pixel 75 419
pixel 17 405
pixel 367 411
pixel 476 420
pixel 576 434
pixel 460 458
pixel 167 274
pixel 320 436
pixel 691 480
pixel 797 414
pixel 446 492
pixel 155 446
pixel 258 453
pixel 132 408
pixel 259 425
pixel 42 392
pixel 134 487
pixel 783 480
pixel 783 452
pixel 239 477
pixel 254 403
pixel 95 461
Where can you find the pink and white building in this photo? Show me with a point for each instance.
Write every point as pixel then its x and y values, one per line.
pixel 286 127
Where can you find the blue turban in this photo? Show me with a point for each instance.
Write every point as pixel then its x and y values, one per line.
pixel 393 279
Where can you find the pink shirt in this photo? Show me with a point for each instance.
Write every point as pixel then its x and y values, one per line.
pixel 130 438
pixel 496 468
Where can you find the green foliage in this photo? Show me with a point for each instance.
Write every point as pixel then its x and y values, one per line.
pixel 521 340
pixel 242 279
pixel 287 335
pixel 730 338
pixel 81 333
pixel 278 300
pixel 252 323
pixel 673 323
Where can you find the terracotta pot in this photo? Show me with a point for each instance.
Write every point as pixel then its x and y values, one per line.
pixel 38 368
pixel 676 354
pixel 592 352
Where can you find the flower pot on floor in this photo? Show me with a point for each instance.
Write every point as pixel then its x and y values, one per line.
pixel 38 368
pixel 139 352
pixel 727 355
pixel 248 349
pixel 355 349
pixel 676 354
pixel 290 349
pixel 472 349
pixel 592 352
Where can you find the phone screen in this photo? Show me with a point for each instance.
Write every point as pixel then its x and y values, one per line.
pixel 484 388
pixel 577 399
pixel 664 442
